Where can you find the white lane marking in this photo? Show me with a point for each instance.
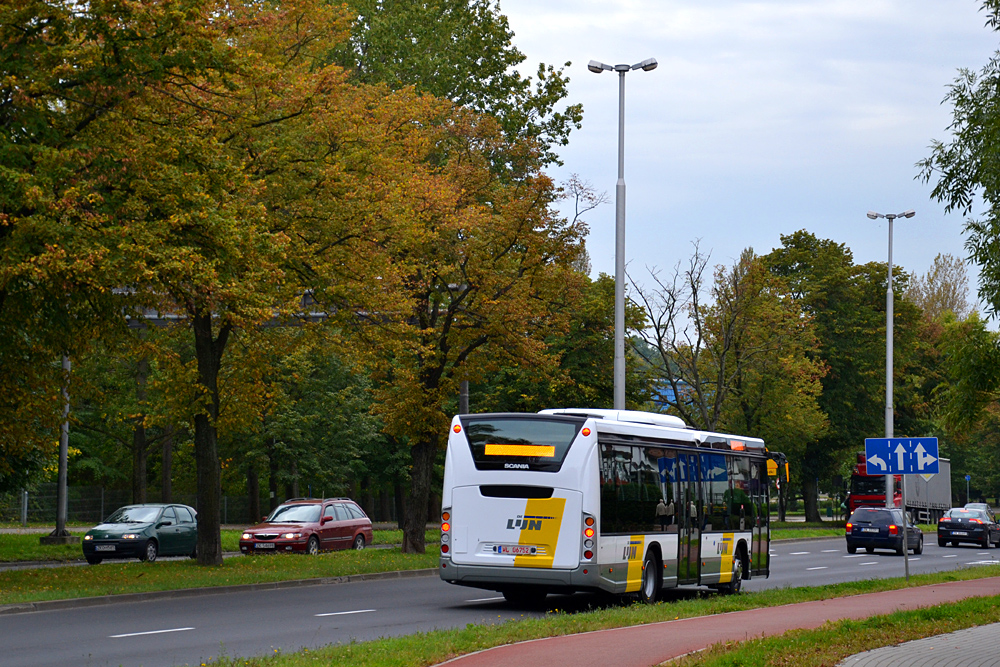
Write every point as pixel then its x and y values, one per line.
pixel 914 558
pixel 500 597
pixel 982 553
pixel 151 632
pixel 854 556
pixel 872 563
pixel 830 551
pixel 344 613
pixel 950 556
pixel 799 553
pixel 810 569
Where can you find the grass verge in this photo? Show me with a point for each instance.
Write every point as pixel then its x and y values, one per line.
pixel 834 641
pixel 433 647
pixel 114 578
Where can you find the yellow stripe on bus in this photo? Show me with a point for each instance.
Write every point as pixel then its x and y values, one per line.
pixel 635 551
pixel 520 450
pixel 543 519
pixel 726 564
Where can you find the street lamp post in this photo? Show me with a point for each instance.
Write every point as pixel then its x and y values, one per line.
pixel 619 378
pixel 888 344
pixel 888 390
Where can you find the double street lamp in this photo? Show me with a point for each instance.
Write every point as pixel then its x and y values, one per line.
pixel 619 377
pixel 889 490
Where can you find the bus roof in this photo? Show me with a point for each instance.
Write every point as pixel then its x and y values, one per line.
pixel 636 417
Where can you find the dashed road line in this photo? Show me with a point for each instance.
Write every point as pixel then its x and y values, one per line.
pixel 810 569
pixel 499 597
pixel 345 613
pixel 150 632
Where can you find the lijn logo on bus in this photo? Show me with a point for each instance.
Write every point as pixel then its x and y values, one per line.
pixel 527 522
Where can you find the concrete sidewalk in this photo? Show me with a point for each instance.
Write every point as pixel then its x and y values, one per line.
pixel 645 645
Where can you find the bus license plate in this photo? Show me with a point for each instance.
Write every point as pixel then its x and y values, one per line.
pixel 869 530
pixel 515 550
pixel 264 545
pixel 104 547
pixel 960 532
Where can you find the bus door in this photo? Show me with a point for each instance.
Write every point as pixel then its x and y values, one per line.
pixel 688 518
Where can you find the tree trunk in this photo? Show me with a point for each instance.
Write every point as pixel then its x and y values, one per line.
pixel 139 441
pixel 399 496
pixel 139 463
pixel 421 473
pixel 272 476
pixel 209 492
pixel 810 498
pixel 208 351
pixel 293 490
pixel 253 490
pixel 166 465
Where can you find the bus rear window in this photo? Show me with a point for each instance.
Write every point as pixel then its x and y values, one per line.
pixel 520 443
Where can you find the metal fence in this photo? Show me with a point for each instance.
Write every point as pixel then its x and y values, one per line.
pixel 92 504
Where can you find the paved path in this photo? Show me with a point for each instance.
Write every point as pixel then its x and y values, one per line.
pixel 645 645
pixel 973 647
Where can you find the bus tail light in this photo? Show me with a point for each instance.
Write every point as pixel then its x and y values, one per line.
pixel 445 530
pixel 589 532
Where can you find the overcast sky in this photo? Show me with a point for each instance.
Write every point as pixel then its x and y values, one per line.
pixel 762 118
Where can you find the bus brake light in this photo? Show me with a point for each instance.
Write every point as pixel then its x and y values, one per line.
pixel 589 532
pixel 445 527
pixel 458 429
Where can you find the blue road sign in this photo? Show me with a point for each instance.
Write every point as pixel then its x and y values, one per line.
pixel 901 456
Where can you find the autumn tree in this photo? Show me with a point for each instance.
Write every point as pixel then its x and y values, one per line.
pixel 474 268
pixel 65 66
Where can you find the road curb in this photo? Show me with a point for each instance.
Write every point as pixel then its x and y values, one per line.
pixel 76 603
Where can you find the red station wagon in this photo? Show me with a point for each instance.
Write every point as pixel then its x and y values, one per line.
pixel 310 525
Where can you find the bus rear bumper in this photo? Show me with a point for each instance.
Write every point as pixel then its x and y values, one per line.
pixel 582 578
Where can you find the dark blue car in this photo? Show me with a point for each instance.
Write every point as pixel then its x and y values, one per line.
pixel 874 528
pixel 961 524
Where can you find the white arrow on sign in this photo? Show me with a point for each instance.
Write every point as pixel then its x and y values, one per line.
pixel 875 460
pixel 900 453
pixel 923 458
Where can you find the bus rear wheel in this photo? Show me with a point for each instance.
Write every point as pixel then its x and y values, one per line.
pixel 649 592
pixel 735 584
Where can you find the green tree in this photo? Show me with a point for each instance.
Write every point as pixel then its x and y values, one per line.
pixel 740 357
pixel 585 353
pixel 966 168
pixel 463 51
pixel 847 304
pixel 944 288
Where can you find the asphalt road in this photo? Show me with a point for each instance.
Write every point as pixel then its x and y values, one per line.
pixel 188 631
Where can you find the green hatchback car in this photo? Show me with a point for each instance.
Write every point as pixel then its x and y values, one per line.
pixel 144 532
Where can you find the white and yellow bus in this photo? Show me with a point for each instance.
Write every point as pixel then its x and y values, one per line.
pixel 600 500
